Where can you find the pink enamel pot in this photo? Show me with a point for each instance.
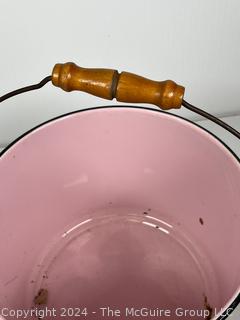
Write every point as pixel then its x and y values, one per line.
pixel 125 208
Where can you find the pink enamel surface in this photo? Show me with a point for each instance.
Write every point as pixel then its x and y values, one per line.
pixel 119 207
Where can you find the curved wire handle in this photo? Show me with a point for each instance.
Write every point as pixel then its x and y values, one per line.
pixel 184 104
pixel 25 89
pixel 212 118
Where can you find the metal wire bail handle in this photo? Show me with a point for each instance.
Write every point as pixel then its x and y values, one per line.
pixel 124 86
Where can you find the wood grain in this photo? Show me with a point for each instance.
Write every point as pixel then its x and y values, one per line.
pixel 125 87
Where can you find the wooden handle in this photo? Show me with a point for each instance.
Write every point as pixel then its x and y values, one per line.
pixel 125 87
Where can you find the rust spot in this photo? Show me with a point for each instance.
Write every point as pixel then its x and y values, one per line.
pixel 42 297
pixel 145 212
pixel 157 227
pixel 208 307
pixel 45 276
pixel 201 221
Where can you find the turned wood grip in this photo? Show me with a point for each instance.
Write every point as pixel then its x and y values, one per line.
pixel 124 86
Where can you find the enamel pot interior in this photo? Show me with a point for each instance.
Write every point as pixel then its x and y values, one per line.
pixel 119 207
